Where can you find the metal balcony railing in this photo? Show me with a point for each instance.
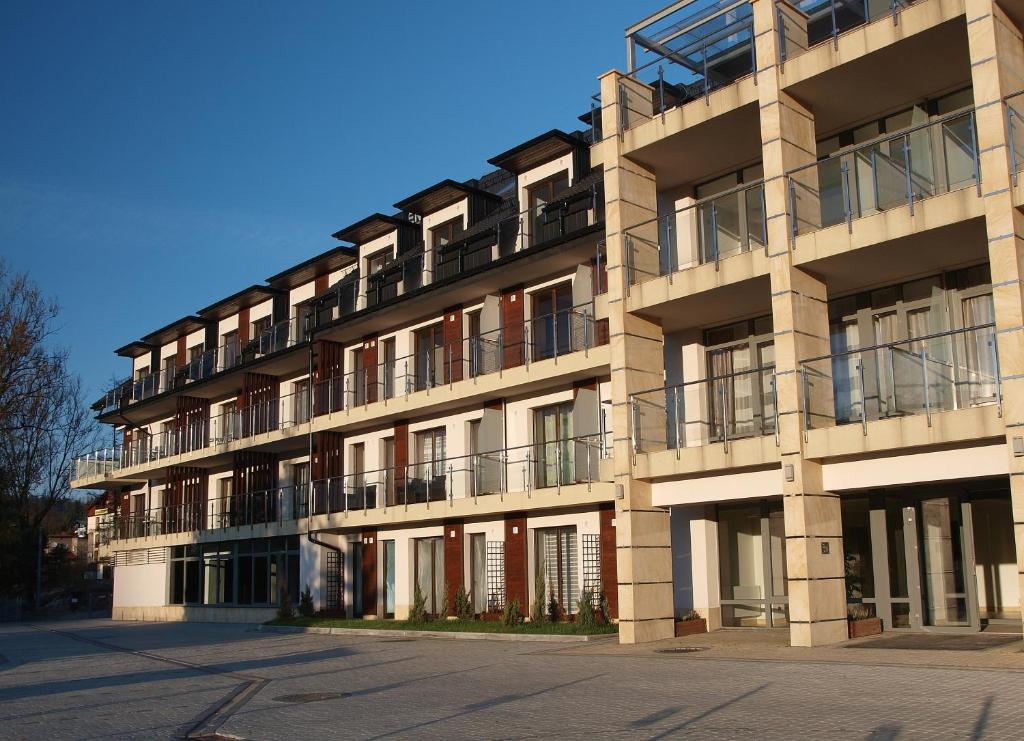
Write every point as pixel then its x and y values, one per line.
pixel 718 409
pixel 1015 130
pixel 215 360
pixel 683 53
pixel 541 338
pixel 803 24
pixel 932 373
pixel 702 232
pixel 895 170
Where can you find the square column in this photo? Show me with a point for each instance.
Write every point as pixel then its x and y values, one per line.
pixel 997 69
pixel 643 537
pixel 814 546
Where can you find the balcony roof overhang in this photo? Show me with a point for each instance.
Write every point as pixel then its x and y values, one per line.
pixel 441 195
pixel 133 349
pixel 176 329
pixel 247 297
pixel 370 228
pixel 537 151
pixel 326 262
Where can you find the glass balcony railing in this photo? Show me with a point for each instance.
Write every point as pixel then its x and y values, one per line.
pixel 807 23
pixel 702 232
pixel 215 360
pixel 684 53
pixel 1015 129
pixel 513 470
pixel 933 373
pixel 540 338
pixel 497 237
pixel 718 409
pixel 897 170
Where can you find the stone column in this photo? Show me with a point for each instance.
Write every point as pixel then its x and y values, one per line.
pixel 643 539
pixel 814 546
pixel 997 69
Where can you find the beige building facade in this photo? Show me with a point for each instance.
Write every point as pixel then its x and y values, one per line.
pixel 749 345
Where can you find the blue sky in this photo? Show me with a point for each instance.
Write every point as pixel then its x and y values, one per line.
pixel 157 156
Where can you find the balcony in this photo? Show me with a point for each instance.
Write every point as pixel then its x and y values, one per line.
pixel 495 240
pixel 806 23
pixel 703 232
pixel 719 409
pixel 546 337
pixel 683 53
pixel 520 470
pixel 1015 123
pixel 923 376
pixel 938 157
pixel 274 339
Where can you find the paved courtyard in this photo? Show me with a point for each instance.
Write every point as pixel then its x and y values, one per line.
pixel 98 679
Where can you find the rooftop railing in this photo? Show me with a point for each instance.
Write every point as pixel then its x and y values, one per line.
pixel 901 169
pixel 932 373
pixel 226 356
pixel 497 237
pixel 718 409
pixel 701 232
pixel 545 337
pixel 684 53
pixel 803 24
pixel 518 470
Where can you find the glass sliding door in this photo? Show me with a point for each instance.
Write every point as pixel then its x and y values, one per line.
pixel 557 563
pixel 389 578
pixel 478 572
pixel 551 329
pixel 430 572
pixel 552 433
pixel 752 565
pixel 943 563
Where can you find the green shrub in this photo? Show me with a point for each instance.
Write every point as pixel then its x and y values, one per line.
pixel 418 611
pixel 585 610
pixel 306 608
pixel 554 609
pixel 511 615
pixel 537 609
pixel 463 605
pixel 606 616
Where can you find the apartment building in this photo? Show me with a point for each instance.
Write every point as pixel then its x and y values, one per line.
pixel 750 344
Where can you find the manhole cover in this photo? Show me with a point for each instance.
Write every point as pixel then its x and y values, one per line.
pixel 311 697
pixel 681 650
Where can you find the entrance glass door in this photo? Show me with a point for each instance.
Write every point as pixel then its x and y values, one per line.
pixel 944 583
pixel 752 563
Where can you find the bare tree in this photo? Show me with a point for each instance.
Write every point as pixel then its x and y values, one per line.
pixel 44 425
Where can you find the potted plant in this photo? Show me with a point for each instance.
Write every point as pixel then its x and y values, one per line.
pixel 690 623
pixel 861 622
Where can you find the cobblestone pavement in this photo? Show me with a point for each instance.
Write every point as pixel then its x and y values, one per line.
pixel 98 679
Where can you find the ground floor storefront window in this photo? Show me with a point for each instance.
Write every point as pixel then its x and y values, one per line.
pixel 245 573
pixel 752 563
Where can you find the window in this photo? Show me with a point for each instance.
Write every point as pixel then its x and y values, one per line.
pixel 740 361
pixel 358 380
pixel 229 349
pixel 429 357
pixel 428 480
pixel 218 574
pixel 552 329
pixel 430 572
pixel 478 572
pixel 259 327
pixel 552 433
pixel 142 373
pixel 170 368
pixel 186 575
pixel 378 261
pixel 447 232
pixel 388 456
pixel 388 347
pixel 356 476
pixel 546 222
pixel 229 422
pixel 557 564
pixel 222 508
pixel 300 489
pixel 301 401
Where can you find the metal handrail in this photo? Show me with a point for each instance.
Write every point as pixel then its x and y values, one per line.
pixel 885 345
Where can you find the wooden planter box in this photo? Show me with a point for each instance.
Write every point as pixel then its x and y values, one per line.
pixel 865 627
pixel 691 627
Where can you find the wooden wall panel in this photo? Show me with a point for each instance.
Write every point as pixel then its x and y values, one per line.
pixel 453 344
pixel 609 567
pixel 512 327
pixel 370 366
pixel 369 571
pixel 516 580
pixel 326 471
pixel 328 377
pixel 454 559
pixel 401 458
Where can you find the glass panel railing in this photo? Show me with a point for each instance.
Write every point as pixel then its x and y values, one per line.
pixel 719 409
pixel 899 170
pixel 704 231
pixel 1015 131
pixel 933 373
pixel 685 55
pixel 806 23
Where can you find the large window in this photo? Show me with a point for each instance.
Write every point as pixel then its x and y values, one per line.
pixel 430 572
pixel 553 331
pixel 740 364
pixel 429 357
pixel 544 221
pixel 552 433
pixel 557 562
pixel 478 572
pixel 446 232
pixel 428 477
pixel 247 572
pixel 752 563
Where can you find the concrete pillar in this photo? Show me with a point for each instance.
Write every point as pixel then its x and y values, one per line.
pixel 814 547
pixel 997 69
pixel 643 539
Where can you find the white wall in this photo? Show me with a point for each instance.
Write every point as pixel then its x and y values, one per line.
pixel 145 585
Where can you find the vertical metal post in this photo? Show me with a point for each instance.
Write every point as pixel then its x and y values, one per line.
pixel 792 215
pixel 910 174
pixel 1013 149
pixel 775 407
pixel 995 366
pixel 707 84
pixel 677 394
pixel 725 420
pixel 558 467
pixel 863 398
pixel 451 485
pixel 927 399
pixel 634 427
pixel 847 200
pixel 714 231
pixel 804 393
pixel 835 26
pixel 554 332
pixel 672 265
pixel 451 368
pixel 661 92
pixel 972 122
pixel 526 344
